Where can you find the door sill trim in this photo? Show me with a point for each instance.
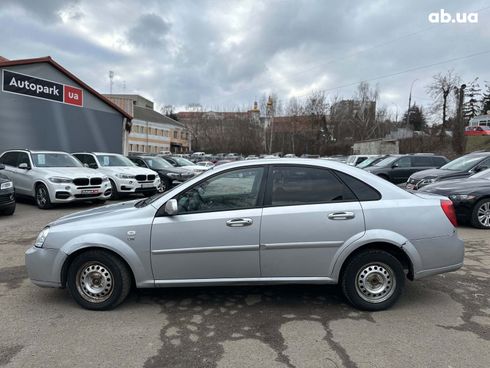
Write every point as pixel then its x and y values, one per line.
pixel 245 281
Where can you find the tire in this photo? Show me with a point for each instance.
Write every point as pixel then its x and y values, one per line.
pixel 42 197
pixel 114 193
pixel 480 217
pixel 165 184
pixel 98 280
pixel 386 275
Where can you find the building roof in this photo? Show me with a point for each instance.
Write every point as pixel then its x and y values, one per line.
pixel 49 60
pixel 142 113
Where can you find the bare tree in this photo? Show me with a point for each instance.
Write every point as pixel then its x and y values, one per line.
pixel 440 91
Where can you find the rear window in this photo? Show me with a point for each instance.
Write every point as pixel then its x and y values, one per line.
pixel 438 161
pixel 362 191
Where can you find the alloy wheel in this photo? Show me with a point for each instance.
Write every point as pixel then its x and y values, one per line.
pixel 42 196
pixel 483 214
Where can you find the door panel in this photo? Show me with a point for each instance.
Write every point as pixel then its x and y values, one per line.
pixel 301 241
pixel 202 245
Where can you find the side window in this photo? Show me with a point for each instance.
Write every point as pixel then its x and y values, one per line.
pixel 23 159
pixel 10 158
pixel 363 191
pixel 404 162
pixel 438 161
pixel 232 190
pixel 139 162
pixel 484 163
pixel 295 185
pixel 421 161
pixel 90 161
pixel 80 158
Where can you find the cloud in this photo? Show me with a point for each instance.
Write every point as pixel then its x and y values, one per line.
pixel 228 53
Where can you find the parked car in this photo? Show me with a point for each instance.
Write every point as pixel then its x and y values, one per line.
pixel 470 196
pixel 206 164
pixel 169 176
pixel 398 168
pixel 370 161
pixel 290 155
pixel 355 160
pixel 254 222
pixel 251 157
pixel 305 155
pixel 185 164
pixel 124 176
pixel 7 194
pixel 221 162
pixel 53 177
pixel 461 167
pixel 477 130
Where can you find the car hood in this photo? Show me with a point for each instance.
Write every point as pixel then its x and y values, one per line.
pixel 130 170
pixel 194 168
pixel 461 186
pixel 70 172
pixel 439 173
pixel 93 213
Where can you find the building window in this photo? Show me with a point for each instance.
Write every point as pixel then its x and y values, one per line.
pixel 175 134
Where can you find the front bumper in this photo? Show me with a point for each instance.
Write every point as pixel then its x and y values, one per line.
pixel 134 186
pixel 7 200
pixel 64 193
pixel 44 266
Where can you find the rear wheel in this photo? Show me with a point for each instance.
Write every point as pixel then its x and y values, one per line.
pixel 98 280
pixel 480 216
pixel 373 280
pixel 42 197
pixel 165 184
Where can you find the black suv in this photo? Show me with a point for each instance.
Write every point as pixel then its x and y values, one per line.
pixel 459 168
pixel 169 175
pixel 398 168
pixel 7 198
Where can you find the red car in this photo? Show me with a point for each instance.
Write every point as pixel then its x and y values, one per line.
pixel 477 130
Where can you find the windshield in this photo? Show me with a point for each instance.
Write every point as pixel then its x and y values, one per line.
pixel 368 162
pixel 114 160
pixel 157 163
pixel 386 161
pixel 485 174
pixel 464 163
pixel 182 161
pixel 54 160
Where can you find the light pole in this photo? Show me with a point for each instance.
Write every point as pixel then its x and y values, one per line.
pixel 410 102
pixel 270 114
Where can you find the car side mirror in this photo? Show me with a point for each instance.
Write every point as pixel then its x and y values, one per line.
pixel 86 165
pixel 2 166
pixel 23 166
pixel 171 207
pixel 395 165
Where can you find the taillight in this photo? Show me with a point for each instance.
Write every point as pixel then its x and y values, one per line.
pixel 448 208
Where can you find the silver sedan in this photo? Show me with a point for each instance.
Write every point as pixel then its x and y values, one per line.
pixel 254 222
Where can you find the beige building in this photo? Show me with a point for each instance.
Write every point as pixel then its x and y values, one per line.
pixel 151 132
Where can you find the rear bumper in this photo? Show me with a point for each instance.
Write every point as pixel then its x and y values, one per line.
pixel 439 255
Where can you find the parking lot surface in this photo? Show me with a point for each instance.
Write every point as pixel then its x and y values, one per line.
pixel 443 321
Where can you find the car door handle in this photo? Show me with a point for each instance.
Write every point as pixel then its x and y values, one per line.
pixel 341 216
pixel 238 222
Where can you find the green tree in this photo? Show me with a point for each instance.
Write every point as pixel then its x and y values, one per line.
pixel 417 117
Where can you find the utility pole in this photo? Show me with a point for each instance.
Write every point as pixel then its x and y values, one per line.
pixel 458 131
pixel 111 77
pixel 410 102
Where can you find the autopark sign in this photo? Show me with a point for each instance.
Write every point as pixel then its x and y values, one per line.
pixel 27 85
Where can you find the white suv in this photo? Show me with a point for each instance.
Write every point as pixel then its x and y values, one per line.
pixel 125 177
pixel 53 177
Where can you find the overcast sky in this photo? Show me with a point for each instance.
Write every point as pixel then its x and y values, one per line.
pixel 228 53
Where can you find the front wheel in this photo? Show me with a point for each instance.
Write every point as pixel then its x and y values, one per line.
pixel 42 197
pixel 373 280
pixel 98 280
pixel 114 193
pixel 480 217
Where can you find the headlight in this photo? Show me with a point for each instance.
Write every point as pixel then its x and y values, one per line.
pixel 60 180
pixel 461 197
pixel 125 176
pixel 427 181
pixel 6 185
pixel 41 238
pixel 173 175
